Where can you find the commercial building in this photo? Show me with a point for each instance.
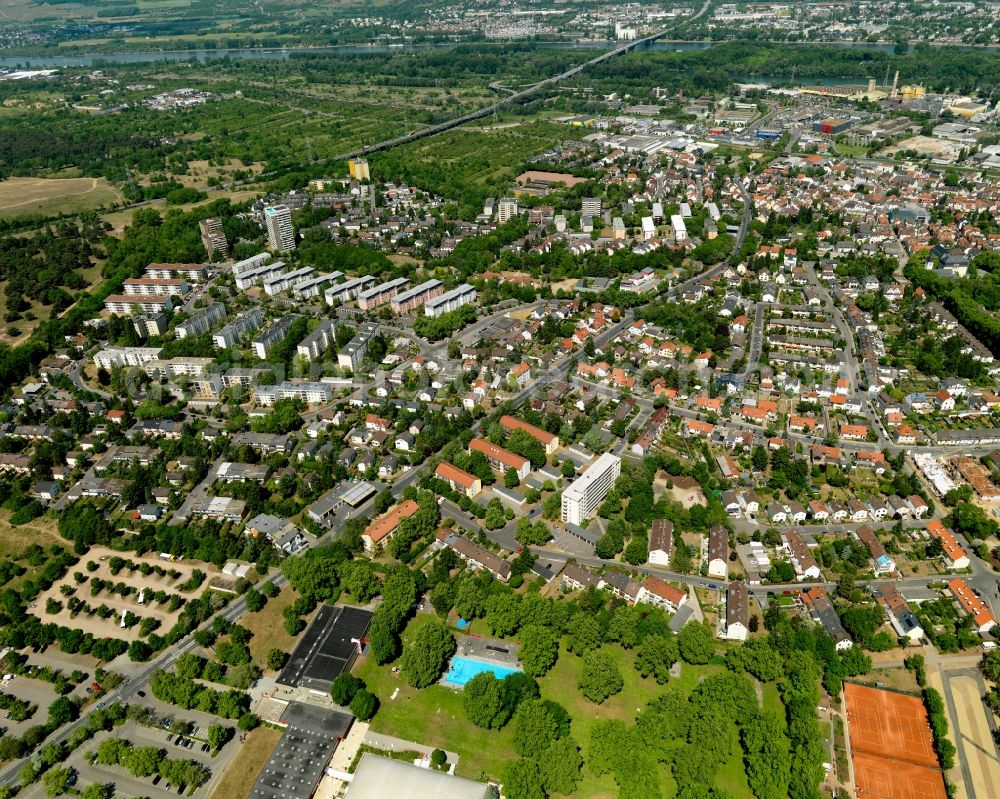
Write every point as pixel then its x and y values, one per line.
pixel 459 480
pixel 280 233
pixel 406 301
pixel 581 499
pixel 548 440
pixel 506 209
pixel 317 342
pixel 349 289
pixel 213 238
pixel 737 611
pixel 201 322
pixel 275 284
pixel 358 169
pixel 379 777
pixel 382 293
pixel 277 332
pixel 246 322
pixel 450 300
pixel 355 350
pixel 501 459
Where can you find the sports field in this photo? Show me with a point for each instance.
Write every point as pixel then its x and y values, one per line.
pixel 891 745
pixel 51 196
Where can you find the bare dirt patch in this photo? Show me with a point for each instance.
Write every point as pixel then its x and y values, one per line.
pixel 41 531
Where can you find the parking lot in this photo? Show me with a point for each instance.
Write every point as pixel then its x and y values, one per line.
pixel 173 746
pixel 147 584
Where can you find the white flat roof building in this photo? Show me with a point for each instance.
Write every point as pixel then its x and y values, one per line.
pixel 349 289
pixel 581 500
pixel 678 227
pixel 450 300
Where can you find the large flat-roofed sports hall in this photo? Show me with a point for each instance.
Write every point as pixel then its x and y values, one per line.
pixel 891 745
pixel 327 649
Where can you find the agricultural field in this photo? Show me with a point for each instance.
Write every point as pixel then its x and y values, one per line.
pixel 54 196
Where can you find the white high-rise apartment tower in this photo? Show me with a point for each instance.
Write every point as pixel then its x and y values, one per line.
pixel 280 234
pixel 581 500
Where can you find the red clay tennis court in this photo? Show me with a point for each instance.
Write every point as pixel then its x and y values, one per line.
pixel 891 745
pixel 878 778
pixel 886 724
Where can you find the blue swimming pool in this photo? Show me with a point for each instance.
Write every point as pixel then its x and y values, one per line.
pixel 463 669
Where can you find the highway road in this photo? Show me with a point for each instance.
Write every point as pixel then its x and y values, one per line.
pixel 518 96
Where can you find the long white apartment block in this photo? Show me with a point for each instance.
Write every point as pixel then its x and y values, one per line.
pixel 246 322
pixel 251 263
pixel 309 392
pixel 165 287
pixel 349 289
pixel 354 351
pixel 201 322
pixel 282 282
pixel 313 286
pixel 406 301
pixel 126 356
pixel 258 275
pixel 382 293
pixel 125 304
pixel 317 342
pixel 450 300
pixel 192 273
pixel 277 332
pixel 581 500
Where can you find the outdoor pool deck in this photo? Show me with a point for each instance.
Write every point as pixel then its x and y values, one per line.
pixel 476 655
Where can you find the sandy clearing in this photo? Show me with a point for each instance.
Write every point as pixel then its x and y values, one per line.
pixel 18 192
pixel 974 732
